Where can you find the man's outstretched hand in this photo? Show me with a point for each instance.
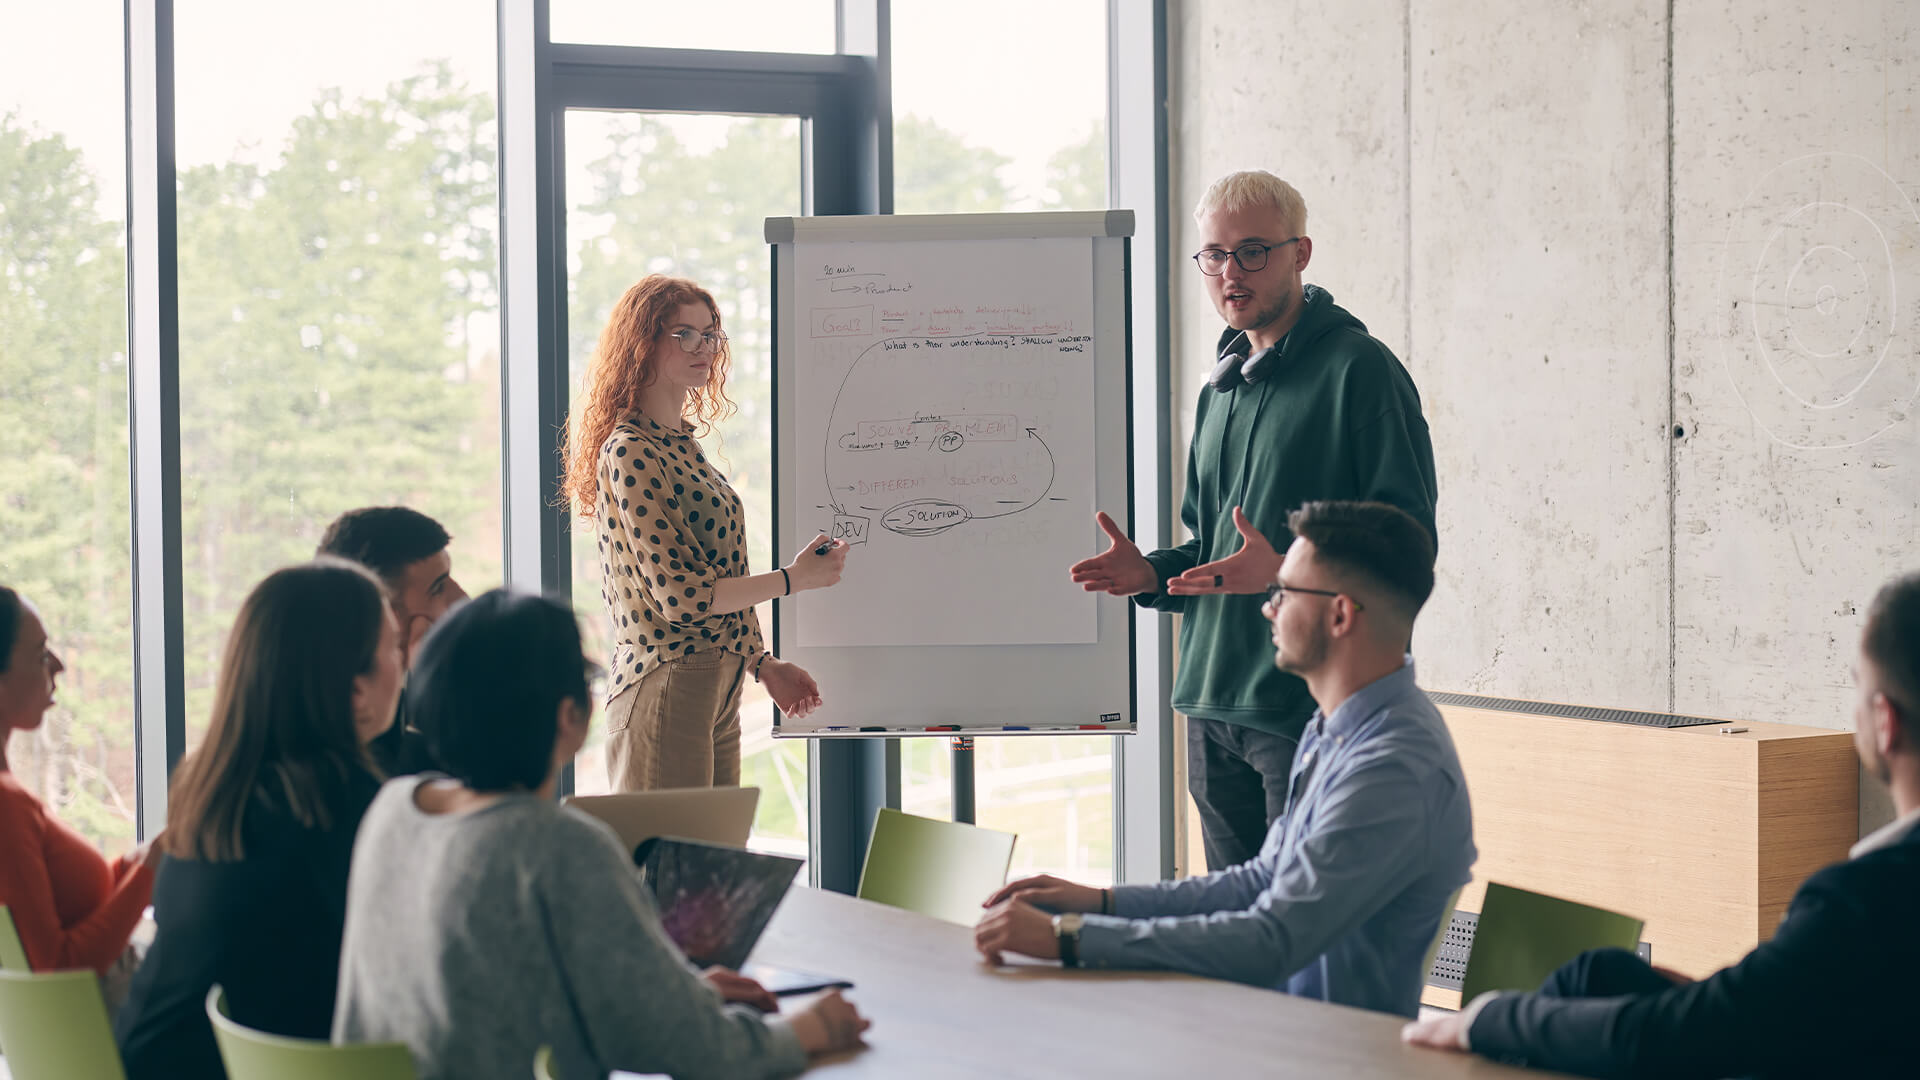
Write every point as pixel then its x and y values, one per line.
pixel 1249 570
pixel 1120 570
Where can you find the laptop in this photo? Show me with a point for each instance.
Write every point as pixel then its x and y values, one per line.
pixel 717 815
pixel 715 901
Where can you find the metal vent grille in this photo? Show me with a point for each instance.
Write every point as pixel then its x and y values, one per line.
pixel 1450 960
pixel 1572 712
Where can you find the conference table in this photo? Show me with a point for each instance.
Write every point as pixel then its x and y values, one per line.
pixel 940 1010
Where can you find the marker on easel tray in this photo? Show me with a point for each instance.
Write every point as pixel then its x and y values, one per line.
pixel 1093 727
pixel 944 727
pixel 1016 727
pixel 836 729
pixel 866 729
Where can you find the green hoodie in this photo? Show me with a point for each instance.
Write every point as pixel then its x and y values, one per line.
pixel 1335 416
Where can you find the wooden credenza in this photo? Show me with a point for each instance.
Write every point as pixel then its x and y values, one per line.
pixel 1705 835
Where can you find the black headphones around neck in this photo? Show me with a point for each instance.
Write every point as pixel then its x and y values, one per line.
pixel 1236 368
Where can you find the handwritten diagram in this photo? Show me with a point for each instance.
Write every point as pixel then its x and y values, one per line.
pixel 948 390
pixel 960 467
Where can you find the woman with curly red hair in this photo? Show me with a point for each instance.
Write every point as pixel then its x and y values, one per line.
pixel 673 559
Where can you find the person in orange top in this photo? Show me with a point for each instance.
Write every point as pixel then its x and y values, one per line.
pixel 72 908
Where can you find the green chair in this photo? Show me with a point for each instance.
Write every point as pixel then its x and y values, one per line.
pixel 256 1055
pixel 1523 936
pixel 938 868
pixel 53 1026
pixel 13 955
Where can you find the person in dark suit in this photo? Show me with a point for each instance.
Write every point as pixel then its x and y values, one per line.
pixel 1831 994
pixel 407 550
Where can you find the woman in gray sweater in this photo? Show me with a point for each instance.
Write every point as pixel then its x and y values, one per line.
pixel 484 921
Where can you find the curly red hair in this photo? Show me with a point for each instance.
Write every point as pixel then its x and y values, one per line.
pixel 623 366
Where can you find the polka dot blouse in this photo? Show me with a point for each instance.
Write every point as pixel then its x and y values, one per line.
pixel 670 526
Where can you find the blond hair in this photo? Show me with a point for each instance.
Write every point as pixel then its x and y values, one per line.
pixel 1250 188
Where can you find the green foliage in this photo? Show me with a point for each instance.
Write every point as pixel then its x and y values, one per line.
pixel 335 352
pixel 1077 174
pixel 936 172
pixel 63 491
pixel 326 303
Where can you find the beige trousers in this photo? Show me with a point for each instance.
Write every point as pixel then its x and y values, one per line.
pixel 679 726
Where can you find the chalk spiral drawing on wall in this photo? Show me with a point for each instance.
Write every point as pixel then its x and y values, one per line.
pixel 1820 284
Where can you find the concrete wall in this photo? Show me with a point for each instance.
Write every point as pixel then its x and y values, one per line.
pixel 1659 283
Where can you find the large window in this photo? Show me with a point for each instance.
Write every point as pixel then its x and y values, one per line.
pixel 786 26
pixel 63 399
pixel 338 301
pixel 962 143
pixel 334 249
pixel 687 195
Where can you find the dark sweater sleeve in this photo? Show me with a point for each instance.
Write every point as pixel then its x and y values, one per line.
pixel 1393 464
pixel 329 853
pixel 1778 1012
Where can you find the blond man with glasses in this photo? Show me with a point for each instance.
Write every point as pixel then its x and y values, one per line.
pixel 1302 404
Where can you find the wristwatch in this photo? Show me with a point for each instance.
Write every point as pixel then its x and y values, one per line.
pixel 1066 933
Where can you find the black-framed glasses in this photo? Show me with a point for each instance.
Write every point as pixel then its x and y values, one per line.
pixel 1251 257
pixel 694 341
pixel 1277 594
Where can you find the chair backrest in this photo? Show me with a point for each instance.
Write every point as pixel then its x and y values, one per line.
pixel 938 868
pixel 53 1026
pixel 13 955
pixel 1523 936
pixel 716 815
pixel 256 1055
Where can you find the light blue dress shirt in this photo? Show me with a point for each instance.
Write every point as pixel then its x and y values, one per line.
pixel 1348 890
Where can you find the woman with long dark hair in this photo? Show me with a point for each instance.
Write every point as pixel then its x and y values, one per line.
pixel 261 819
pixel 673 562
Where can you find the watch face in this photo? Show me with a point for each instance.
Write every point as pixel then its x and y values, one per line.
pixel 1068 923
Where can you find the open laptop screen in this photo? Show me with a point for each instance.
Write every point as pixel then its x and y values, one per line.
pixel 714 901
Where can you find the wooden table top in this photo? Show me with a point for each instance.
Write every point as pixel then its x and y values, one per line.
pixel 939 1010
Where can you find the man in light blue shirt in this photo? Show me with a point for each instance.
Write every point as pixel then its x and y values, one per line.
pixel 1351 885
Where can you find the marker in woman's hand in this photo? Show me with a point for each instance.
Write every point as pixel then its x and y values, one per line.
pixel 823 548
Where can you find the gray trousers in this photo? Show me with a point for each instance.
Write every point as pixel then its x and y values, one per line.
pixel 1238 777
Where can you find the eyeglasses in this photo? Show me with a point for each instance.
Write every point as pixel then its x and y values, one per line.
pixel 694 341
pixel 1251 257
pixel 1277 594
